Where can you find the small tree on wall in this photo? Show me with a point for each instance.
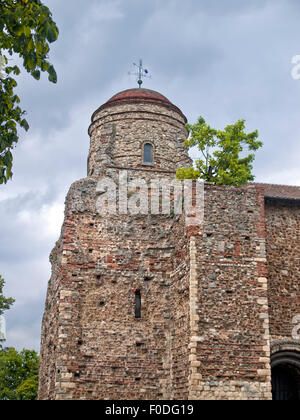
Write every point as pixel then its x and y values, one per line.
pixel 221 161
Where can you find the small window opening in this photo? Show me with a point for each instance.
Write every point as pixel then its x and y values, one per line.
pixel 138 304
pixel 148 153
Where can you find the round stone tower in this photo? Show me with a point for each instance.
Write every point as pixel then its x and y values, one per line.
pixel 117 303
pixel 138 128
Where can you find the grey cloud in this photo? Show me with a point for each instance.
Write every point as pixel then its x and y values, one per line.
pixel 23 324
pixel 224 60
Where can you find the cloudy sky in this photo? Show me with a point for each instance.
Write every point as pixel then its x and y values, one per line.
pixel 224 60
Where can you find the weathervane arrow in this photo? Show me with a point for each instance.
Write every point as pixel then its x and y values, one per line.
pixel 142 72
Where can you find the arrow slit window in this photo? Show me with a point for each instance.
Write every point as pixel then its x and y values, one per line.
pixel 138 304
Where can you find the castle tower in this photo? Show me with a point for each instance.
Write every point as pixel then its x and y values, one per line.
pixel 142 305
pixel 108 323
pixel 134 123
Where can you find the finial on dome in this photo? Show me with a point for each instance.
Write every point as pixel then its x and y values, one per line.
pixel 141 73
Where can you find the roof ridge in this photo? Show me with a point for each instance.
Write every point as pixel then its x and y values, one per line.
pixel 276 185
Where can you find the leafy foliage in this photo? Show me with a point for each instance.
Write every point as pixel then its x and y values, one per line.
pixel 28 390
pixel 221 150
pixel 26 29
pixel 5 303
pixel 18 374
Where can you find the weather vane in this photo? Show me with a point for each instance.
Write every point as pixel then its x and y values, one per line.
pixel 142 72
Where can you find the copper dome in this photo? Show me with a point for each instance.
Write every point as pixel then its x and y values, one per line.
pixel 140 95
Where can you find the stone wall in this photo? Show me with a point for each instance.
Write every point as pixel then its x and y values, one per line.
pixel 204 330
pixel 231 356
pixel 91 338
pixel 180 311
pixel 51 324
pixel 283 250
pixel 119 133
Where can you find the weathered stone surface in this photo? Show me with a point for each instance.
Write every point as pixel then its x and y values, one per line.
pixel 283 267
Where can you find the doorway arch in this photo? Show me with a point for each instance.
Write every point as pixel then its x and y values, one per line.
pixel 285 367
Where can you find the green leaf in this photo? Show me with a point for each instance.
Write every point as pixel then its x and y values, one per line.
pixel 16 70
pixel 51 34
pixel 36 74
pixel 52 75
pixel 24 124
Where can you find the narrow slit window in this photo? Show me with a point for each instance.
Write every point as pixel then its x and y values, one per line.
pixel 138 304
pixel 148 153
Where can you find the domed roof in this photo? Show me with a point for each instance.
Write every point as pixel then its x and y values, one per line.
pixel 140 95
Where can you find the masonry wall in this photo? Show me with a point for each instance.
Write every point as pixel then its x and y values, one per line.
pixel 204 331
pixel 51 324
pixel 118 134
pixel 180 311
pixel 230 332
pixel 93 346
pixel 283 251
